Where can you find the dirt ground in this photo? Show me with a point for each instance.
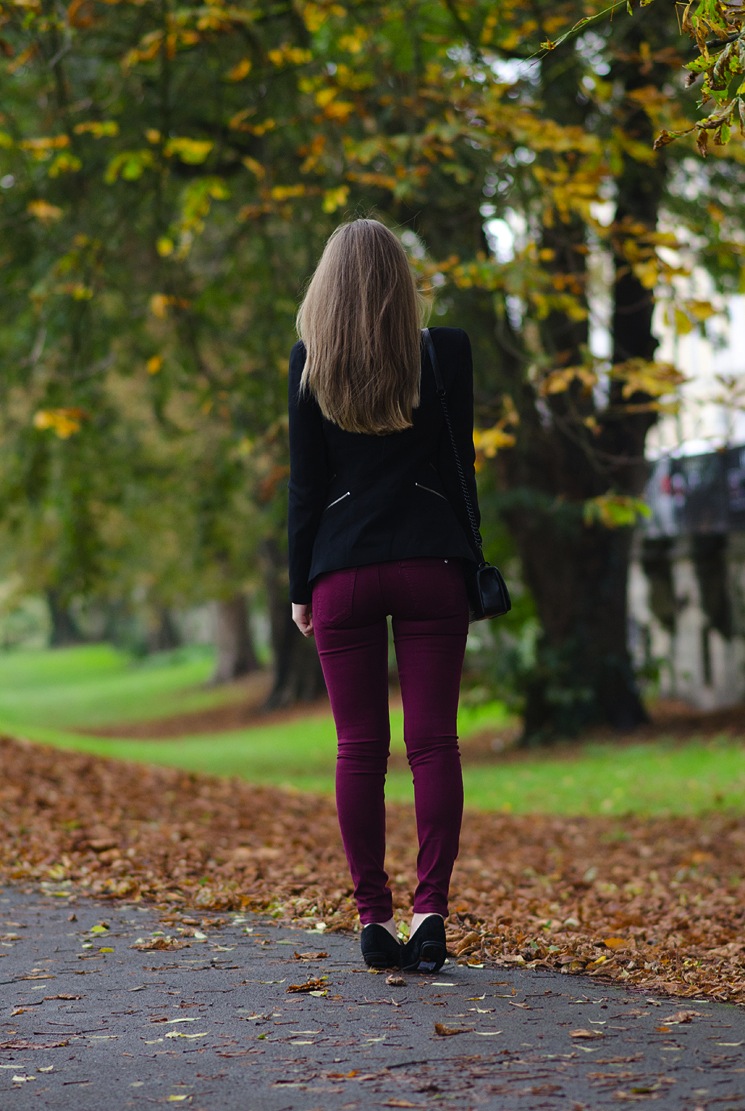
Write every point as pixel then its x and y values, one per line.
pixel 669 718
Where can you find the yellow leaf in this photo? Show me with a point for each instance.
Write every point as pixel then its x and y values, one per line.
pixel 64 163
pixel 44 211
pixel 217 189
pixel 64 423
pixel 339 110
pixel 295 55
pixel 286 192
pixel 615 511
pixel 614 942
pixel 444 1032
pixel 79 291
pixel 154 364
pixel 541 304
pixel 355 42
pixel 26 55
pixel 574 309
pixel 263 127
pixel 647 376
pixel 164 246
pixel 159 303
pixel 647 273
pixel 314 16
pixel 255 167
pixel 238 72
pixel 683 323
pixel 324 97
pixel 191 151
pixel 701 310
pixel 298 56
pixel 335 198
pixel 99 129
pixel 557 381
pixel 43 146
pixel 129 165
pixel 491 440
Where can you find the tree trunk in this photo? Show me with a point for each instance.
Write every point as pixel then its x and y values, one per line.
pixel 233 643
pixel 64 630
pixel 582 674
pixel 162 634
pixel 297 670
pixel 568 449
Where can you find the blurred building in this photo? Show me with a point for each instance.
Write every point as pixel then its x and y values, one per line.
pixel 687 583
pixel 712 414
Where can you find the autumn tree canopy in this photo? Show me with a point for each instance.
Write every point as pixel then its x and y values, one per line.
pixel 169 174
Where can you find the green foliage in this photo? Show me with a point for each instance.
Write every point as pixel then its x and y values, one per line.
pixel 170 173
pixel 147 328
pixel 615 511
pixel 717 28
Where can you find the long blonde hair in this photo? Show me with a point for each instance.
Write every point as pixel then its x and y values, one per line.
pixel 360 322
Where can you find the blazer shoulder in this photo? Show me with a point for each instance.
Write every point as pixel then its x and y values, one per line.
pixel 297 363
pixel 451 341
pixel 297 355
pixel 454 353
pixel 448 333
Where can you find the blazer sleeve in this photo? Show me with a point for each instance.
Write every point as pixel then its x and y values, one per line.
pixel 460 406
pixel 309 478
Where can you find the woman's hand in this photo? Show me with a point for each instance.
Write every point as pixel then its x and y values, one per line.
pixel 303 618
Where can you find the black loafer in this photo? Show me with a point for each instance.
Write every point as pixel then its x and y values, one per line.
pixel 380 948
pixel 426 950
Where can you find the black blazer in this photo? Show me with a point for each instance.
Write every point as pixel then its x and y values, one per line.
pixel 357 499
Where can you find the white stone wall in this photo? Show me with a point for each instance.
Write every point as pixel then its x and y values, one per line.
pixel 697 663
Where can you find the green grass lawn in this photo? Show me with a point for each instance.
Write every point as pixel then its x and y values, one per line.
pixel 96 684
pixel 45 695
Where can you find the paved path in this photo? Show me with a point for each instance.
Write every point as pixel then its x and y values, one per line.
pixel 90 1023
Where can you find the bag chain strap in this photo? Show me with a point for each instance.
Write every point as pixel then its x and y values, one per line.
pixel 458 465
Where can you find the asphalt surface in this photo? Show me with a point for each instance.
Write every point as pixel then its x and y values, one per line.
pixel 90 1023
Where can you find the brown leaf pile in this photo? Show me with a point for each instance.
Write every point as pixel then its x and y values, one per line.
pixel 653 902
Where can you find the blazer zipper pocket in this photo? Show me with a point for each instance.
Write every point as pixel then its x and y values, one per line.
pixel 430 490
pixel 337 500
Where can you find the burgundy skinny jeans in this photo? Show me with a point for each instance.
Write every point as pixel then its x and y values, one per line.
pixel 427 601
